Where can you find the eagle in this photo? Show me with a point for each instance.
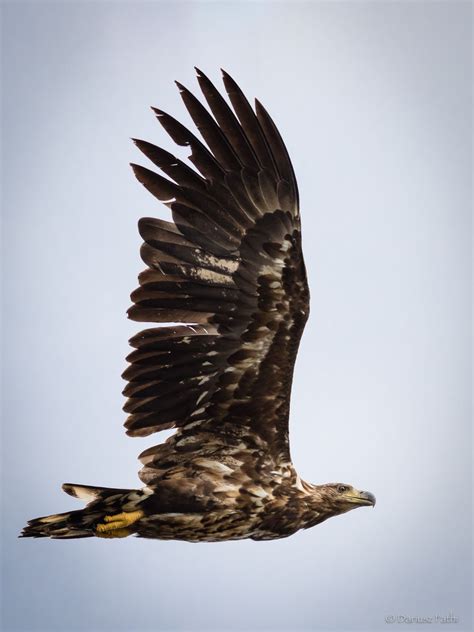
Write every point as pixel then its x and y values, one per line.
pixel 226 295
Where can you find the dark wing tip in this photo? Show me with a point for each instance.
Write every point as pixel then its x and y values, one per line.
pixel 157 111
pixel 201 76
pixel 227 78
pixel 261 111
pixel 141 144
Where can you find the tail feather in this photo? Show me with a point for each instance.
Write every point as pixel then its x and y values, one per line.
pixel 81 523
pixel 65 525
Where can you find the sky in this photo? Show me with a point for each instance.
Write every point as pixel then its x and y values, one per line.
pixel 374 102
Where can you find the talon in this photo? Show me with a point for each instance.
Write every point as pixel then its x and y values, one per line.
pixel 116 525
pixel 113 518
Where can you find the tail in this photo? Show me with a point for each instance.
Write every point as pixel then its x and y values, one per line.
pixel 101 501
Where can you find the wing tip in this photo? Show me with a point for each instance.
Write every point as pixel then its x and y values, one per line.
pixel 158 113
pixel 137 170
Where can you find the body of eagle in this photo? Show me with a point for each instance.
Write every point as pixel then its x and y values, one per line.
pixel 230 269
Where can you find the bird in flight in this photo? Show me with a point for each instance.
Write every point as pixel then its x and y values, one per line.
pixel 228 271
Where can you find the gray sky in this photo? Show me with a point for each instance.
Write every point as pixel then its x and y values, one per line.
pixel 373 101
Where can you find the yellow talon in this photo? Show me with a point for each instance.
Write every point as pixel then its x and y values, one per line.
pixel 116 526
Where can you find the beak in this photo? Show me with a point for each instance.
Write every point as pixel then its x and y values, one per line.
pixel 366 498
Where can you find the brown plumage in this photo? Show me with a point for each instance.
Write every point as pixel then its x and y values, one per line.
pixel 230 270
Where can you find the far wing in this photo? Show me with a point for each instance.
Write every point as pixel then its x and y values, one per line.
pixel 230 269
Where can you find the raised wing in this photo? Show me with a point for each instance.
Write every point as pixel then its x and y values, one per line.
pixel 230 268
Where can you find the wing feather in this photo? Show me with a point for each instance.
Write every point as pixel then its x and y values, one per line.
pixel 249 123
pixel 228 122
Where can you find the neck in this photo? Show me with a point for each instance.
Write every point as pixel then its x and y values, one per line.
pixel 320 505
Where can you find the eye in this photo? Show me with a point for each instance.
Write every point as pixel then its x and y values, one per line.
pixel 341 489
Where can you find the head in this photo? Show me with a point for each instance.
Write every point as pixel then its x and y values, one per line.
pixel 333 499
pixel 342 497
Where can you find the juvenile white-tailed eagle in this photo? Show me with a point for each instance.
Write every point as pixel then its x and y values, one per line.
pixel 230 269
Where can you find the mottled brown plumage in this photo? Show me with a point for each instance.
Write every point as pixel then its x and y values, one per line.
pixel 230 270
